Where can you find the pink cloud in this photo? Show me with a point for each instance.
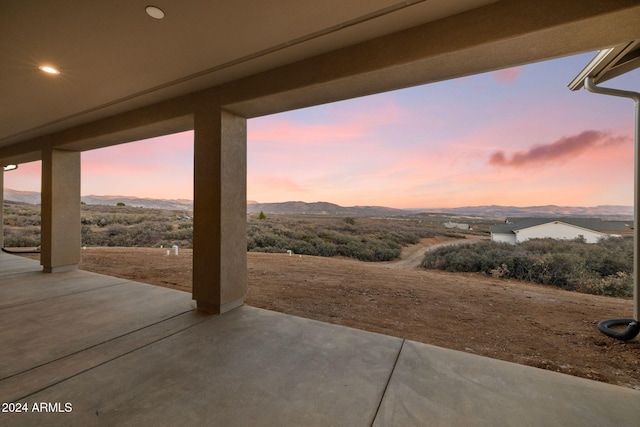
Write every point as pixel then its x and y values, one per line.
pixel 285 131
pixel 260 187
pixel 140 156
pixel 342 125
pixel 561 149
pixel 508 75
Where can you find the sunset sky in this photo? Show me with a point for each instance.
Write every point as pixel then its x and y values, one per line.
pixel 513 137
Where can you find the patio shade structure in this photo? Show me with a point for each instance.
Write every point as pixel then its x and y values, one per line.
pixel 607 64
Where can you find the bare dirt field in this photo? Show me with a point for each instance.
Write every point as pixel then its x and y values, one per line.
pixel 519 322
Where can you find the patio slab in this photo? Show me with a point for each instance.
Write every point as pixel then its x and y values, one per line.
pixel 247 367
pixel 432 386
pixel 84 349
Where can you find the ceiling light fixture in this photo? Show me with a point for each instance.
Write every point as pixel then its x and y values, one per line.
pixel 155 12
pixel 8 168
pixel 49 69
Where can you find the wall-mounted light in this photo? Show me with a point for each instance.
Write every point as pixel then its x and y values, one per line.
pixel 49 70
pixel 8 168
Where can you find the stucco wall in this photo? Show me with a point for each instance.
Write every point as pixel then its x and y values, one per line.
pixel 558 230
pixel 503 237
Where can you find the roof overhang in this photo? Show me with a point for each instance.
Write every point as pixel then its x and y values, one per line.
pixel 609 63
pixel 112 57
pixel 125 76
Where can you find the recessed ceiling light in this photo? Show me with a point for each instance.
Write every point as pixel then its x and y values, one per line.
pixel 49 69
pixel 155 12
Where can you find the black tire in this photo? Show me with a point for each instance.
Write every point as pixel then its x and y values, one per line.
pixel 9 251
pixel 628 334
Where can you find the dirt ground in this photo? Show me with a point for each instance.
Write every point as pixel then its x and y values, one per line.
pixel 519 322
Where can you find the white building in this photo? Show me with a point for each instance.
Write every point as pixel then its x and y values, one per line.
pixel 517 230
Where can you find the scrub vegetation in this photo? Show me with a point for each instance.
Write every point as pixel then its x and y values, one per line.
pixel 104 225
pixel 602 269
pixel 605 268
pixel 21 225
pixel 365 239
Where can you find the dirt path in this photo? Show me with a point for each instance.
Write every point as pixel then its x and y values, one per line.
pixel 412 256
pixel 535 325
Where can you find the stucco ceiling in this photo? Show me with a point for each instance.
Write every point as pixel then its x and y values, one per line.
pixel 114 57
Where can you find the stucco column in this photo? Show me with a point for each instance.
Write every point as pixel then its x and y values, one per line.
pixel 1 206
pixel 220 210
pixel 60 225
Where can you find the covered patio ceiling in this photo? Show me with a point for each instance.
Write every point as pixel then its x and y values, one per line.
pixel 125 75
pixel 113 56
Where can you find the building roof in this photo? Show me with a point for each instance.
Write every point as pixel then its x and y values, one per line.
pixel 609 63
pixel 511 225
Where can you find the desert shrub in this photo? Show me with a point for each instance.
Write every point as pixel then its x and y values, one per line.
pixel 440 264
pixel 251 244
pixel 20 237
pixel 381 251
pixel 336 237
pixel 352 248
pixel 521 267
pixel 605 268
pixel 303 248
pixel 272 240
pixel 365 239
pixel 21 218
pixel 119 235
pixel 560 269
pixel 322 247
pixel 615 285
pixel 103 225
pixel 463 258
pixel 179 235
pixel 86 220
pixel 116 229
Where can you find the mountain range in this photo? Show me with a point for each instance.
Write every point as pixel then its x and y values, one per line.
pixel 601 211
pixel 33 197
pixel 321 208
pixel 325 208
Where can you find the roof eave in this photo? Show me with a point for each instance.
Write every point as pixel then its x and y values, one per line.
pixel 609 63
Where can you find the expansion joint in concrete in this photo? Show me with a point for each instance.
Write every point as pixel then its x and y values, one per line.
pixel 386 386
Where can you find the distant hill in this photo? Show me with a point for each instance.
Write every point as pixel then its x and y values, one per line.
pixel 492 211
pixel 325 208
pixel 33 197
pixel 321 208
pixel 602 211
pixel 170 204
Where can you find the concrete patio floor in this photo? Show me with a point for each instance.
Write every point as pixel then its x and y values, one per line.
pixel 97 350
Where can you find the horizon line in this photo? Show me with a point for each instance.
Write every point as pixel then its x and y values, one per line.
pixel 190 201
